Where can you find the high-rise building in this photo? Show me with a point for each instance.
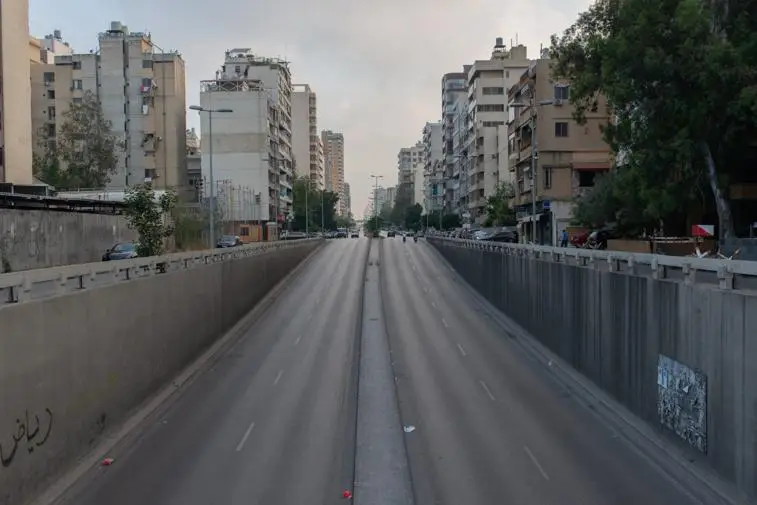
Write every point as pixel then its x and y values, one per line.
pixel 433 167
pixel 305 135
pixel 15 93
pixel 454 90
pixel 141 90
pixel 488 82
pixel 243 65
pixel 408 160
pixel 347 199
pixel 333 154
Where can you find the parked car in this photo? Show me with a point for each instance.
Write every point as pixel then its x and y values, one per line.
pixel 294 235
pixel 391 233
pixel 229 241
pixel 121 251
pixel 354 234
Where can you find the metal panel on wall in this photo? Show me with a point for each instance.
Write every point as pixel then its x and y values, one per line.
pixel 682 401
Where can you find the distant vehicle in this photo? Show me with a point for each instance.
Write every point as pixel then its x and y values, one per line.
pixel 122 251
pixel 340 234
pixel 391 233
pixel 354 234
pixel 229 241
pixel 294 235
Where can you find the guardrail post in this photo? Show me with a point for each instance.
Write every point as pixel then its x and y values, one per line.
pixel 611 263
pixel 725 277
pixel 631 265
pixel 689 273
pixel 25 291
pixel 61 283
pixel 658 271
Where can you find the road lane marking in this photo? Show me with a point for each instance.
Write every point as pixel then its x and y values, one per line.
pixel 413 267
pixel 278 377
pixel 244 437
pixel 486 388
pixel 425 290
pixel 462 350
pixel 433 304
pixel 298 340
pixel 536 462
pixel 444 322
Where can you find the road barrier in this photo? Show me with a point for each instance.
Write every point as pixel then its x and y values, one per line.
pixel 73 366
pixel 679 353
pixel 19 287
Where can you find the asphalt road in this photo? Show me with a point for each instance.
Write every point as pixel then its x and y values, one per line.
pixel 491 427
pixel 273 422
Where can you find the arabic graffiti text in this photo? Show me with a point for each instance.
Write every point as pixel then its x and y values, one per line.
pixel 29 433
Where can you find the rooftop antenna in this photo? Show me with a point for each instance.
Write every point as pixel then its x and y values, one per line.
pixel 516 38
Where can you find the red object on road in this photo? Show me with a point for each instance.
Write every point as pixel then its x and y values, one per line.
pixel 107 461
pixel 346 494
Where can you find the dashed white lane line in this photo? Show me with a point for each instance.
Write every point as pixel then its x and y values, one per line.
pixel 462 349
pixel 444 322
pixel 278 377
pixel 298 340
pixel 535 462
pixel 433 304
pixel 486 388
pixel 245 436
pixel 425 290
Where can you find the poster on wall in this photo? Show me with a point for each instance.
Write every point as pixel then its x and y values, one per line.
pixel 682 401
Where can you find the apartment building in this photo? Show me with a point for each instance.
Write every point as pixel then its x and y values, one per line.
pixel 333 154
pixel 454 90
pixel 488 82
pixel 15 94
pixel 241 64
pixel 568 155
pixel 433 167
pixel 141 90
pixel 305 135
pixel 347 199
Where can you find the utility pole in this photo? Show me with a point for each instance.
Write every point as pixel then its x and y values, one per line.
pixel 375 200
pixel 307 207
pixel 534 154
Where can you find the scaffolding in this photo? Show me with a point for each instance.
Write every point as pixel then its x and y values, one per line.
pixel 231 85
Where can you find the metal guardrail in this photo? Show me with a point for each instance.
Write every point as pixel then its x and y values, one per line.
pixel 727 274
pixel 19 287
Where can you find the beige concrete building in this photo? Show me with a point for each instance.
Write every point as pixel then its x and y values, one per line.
pixel 16 52
pixel 569 155
pixel 305 135
pixel 333 155
pixel 142 93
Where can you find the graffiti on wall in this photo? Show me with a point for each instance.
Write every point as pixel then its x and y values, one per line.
pixel 30 433
pixel 682 401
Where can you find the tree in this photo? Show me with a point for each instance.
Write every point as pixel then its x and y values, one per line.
pixel 84 153
pixel 678 76
pixel 373 225
pixel 498 211
pixel 315 198
pixel 149 216
pixel 412 220
pixel 403 200
pixel 386 211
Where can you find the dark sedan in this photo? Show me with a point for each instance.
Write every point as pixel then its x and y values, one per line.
pixel 122 251
pixel 229 241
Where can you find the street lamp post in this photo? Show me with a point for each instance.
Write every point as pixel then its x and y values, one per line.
pixel 212 218
pixel 534 152
pixel 375 199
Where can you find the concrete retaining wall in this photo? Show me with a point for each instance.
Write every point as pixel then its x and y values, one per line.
pixel 72 366
pixel 41 239
pixel 614 328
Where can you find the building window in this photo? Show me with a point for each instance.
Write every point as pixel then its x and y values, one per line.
pixel 547 178
pixel 76 101
pixel 51 113
pixel 49 77
pixel 493 91
pixel 77 84
pixel 51 94
pixel 76 65
pixel 50 130
pixel 492 107
pixel 586 178
pixel 146 63
pixel 561 129
pixel 562 92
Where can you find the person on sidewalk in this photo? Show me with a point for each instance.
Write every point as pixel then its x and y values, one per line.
pixel 564 238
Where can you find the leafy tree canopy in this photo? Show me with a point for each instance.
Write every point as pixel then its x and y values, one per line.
pixel 321 206
pixel 84 152
pixel 498 211
pixel 413 215
pixel 679 77
pixel 150 217
pixel 402 202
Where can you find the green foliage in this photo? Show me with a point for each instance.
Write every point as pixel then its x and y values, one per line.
pixel 412 218
pixel 402 202
pixel 84 152
pixel 448 221
pixel 190 226
pixel 679 76
pixel 373 225
pixel 386 211
pixel 321 206
pixel 498 211
pixel 150 217
pixel 345 221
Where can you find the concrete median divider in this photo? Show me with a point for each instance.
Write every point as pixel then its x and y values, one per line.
pixel 72 366
pixel 677 353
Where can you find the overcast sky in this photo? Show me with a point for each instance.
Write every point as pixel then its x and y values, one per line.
pixel 375 65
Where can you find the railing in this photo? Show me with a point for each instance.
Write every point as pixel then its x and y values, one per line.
pixel 726 274
pixel 19 287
